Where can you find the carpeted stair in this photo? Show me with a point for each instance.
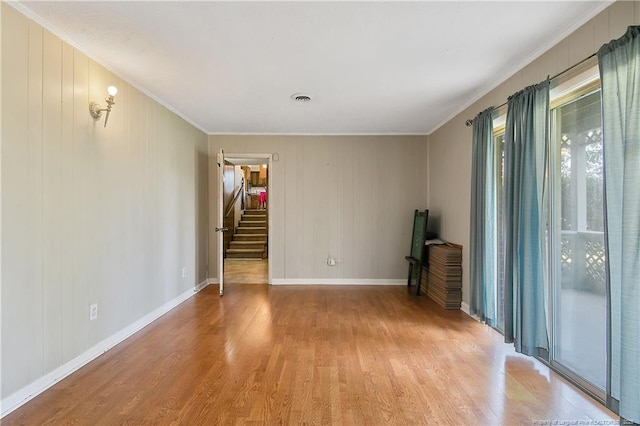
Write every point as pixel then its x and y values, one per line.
pixel 250 237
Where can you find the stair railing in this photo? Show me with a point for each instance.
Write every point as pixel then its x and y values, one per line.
pixel 233 202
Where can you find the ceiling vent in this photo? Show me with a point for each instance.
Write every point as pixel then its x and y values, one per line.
pixel 301 97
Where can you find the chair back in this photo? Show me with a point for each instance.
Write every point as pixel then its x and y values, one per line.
pixel 419 235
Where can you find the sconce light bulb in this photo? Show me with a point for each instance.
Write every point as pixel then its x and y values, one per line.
pixel 113 90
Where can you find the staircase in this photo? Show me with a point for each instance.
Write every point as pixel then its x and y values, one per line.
pixel 250 237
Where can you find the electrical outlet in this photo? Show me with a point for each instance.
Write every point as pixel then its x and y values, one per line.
pixel 331 261
pixel 93 312
pixel 184 272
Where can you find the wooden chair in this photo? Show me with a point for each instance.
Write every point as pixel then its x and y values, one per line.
pixel 418 237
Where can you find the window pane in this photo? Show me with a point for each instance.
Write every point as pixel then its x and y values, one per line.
pixel 499 147
pixel 579 299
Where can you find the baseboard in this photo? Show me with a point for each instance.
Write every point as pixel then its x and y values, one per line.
pixel 22 396
pixel 206 282
pixel 464 307
pixel 336 281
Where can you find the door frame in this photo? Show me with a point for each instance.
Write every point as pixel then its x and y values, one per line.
pixel 262 158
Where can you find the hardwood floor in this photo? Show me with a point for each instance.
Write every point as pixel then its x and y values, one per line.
pixel 238 271
pixel 315 355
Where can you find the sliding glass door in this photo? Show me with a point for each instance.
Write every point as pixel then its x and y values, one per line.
pixel 578 294
pixel 499 291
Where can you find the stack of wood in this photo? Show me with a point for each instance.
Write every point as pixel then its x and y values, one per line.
pixel 442 278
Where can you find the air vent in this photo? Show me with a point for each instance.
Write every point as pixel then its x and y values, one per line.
pixel 301 97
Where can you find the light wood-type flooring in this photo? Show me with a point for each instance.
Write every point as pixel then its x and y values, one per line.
pixel 311 355
pixel 237 271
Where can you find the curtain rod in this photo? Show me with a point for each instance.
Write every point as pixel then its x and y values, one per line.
pixel 469 122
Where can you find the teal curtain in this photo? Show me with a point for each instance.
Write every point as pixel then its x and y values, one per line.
pixel 620 78
pixel 483 212
pixel 525 220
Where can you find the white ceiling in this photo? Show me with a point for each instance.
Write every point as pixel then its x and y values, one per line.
pixel 370 67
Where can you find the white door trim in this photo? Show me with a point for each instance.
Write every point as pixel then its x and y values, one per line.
pixel 262 157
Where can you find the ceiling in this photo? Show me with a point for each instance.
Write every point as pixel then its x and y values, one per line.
pixel 369 67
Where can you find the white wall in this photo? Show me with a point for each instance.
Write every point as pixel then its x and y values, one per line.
pixel 349 196
pixel 89 214
pixel 450 146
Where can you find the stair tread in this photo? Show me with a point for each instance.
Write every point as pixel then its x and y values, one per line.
pixel 250 236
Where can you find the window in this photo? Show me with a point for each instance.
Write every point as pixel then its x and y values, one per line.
pixel 577 238
pixel 499 162
pixel 576 297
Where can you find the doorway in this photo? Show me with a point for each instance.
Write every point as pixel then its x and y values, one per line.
pixel 246 251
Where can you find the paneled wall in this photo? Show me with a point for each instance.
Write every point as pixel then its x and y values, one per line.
pixel 89 214
pixel 450 146
pixel 351 197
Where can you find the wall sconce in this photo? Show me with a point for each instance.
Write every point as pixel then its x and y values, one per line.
pixel 96 111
